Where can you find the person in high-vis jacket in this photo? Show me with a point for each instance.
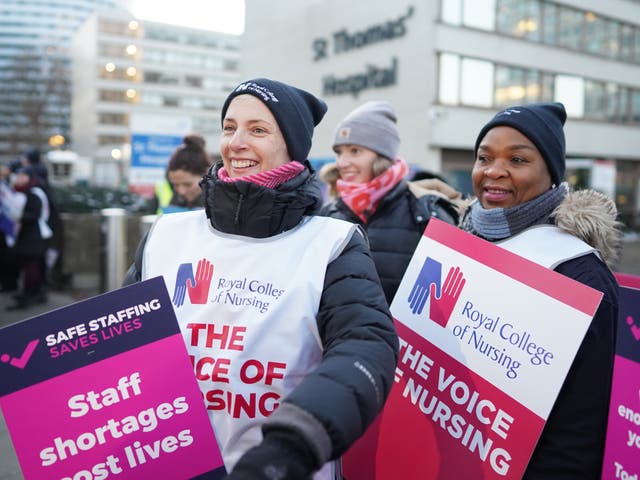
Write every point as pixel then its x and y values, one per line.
pixel 521 195
pixel 180 190
pixel 310 348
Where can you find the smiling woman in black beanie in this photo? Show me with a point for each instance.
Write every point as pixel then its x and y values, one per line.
pixel 518 183
pixel 314 349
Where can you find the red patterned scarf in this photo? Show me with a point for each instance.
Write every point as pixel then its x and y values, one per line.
pixel 271 178
pixel 363 198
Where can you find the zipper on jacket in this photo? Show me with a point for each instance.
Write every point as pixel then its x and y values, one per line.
pixel 236 218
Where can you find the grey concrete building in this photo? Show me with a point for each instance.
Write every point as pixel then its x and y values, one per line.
pixel 449 65
pixel 35 36
pixel 128 72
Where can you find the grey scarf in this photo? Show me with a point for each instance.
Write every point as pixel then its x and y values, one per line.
pixel 498 223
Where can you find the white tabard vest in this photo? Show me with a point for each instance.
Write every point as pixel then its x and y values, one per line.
pixel 250 321
pixel 547 245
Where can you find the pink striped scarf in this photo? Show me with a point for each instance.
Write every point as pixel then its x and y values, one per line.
pixel 271 178
pixel 363 198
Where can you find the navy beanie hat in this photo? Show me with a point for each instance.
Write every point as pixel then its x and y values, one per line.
pixel 32 155
pixel 542 123
pixel 296 111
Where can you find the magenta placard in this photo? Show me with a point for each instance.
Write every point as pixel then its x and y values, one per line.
pixel 104 389
pixel 128 416
pixel 622 450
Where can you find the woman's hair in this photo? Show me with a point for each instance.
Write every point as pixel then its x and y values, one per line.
pixel 380 165
pixel 190 156
pixel 330 175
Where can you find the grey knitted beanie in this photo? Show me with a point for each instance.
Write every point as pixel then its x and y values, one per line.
pixel 372 125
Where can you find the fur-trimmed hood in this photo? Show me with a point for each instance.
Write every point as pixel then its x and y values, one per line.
pixel 592 217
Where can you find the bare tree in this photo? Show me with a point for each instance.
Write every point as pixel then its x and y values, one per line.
pixel 35 94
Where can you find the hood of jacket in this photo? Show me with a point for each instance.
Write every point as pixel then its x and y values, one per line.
pixel 244 208
pixel 592 217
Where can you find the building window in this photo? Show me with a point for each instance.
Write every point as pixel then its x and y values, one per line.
pixel 480 14
pixel 635 106
pixel 549 29
pixel 478 83
pixel 570 91
pixel 194 81
pixel 570 28
pixel 549 23
pixel 111 139
pixel 230 65
pixel 601 35
pixel 449 79
pixel 624 95
pixel 170 102
pixel 517 85
pixel 476 86
pixel 451 11
pixel 520 18
pixel 594 100
pixel 113 118
pixel 628 36
pixel 112 96
pixel 614 102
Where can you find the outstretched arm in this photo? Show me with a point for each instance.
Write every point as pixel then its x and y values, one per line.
pixel 334 405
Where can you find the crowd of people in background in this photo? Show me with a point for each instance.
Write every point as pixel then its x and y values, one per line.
pixel 31 240
pixel 347 250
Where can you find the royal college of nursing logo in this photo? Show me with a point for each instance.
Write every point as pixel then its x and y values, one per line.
pixel 444 296
pixel 196 286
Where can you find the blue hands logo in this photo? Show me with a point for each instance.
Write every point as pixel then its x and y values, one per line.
pixel 197 287
pixel 443 296
pixel 431 273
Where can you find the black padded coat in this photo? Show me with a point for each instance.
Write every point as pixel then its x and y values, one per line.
pixel 334 405
pixel 395 228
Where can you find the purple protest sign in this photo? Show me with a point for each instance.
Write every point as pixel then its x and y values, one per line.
pixel 622 450
pixel 105 388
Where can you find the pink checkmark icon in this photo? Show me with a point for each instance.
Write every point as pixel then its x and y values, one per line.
pixel 26 355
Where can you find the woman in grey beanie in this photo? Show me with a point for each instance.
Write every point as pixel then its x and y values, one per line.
pixel 369 182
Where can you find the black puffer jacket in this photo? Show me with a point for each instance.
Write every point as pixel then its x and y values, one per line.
pixel 395 229
pixel 30 242
pixel 572 443
pixel 334 405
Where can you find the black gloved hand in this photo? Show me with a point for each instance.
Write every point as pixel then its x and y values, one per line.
pixel 282 455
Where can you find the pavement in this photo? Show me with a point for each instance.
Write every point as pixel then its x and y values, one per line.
pixel 9 469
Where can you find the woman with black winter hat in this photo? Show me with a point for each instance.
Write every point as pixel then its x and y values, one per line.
pixel 369 181
pixel 299 291
pixel 518 183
